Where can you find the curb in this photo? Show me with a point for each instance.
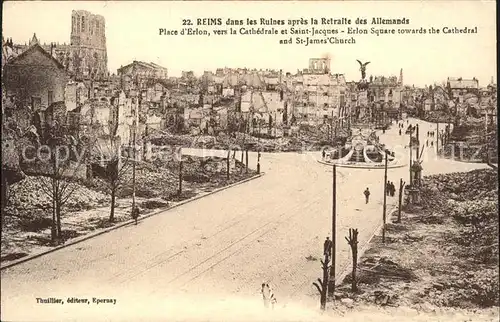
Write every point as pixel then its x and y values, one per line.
pixel 346 269
pixel 340 165
pixel 122 224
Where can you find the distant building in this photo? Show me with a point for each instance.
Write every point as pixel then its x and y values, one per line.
pixel 459 87
pixel 139 73
pixel 85 57
pixel 319 66
pixel 35 78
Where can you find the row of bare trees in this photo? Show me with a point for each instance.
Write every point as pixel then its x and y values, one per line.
pixel 58 179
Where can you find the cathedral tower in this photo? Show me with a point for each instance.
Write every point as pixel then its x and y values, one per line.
pixel 88 44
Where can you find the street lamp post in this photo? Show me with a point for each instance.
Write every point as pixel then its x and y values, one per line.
pixel 437 138
pixel 331 282
pixel 411 158
pixel 385 197
pixel 418 142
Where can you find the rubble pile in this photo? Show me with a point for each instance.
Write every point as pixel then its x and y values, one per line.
pixel 378 268
pixel 151 181
pixel 468 141
pixel 470 202
pixel 308 139
pixel 28 194
pixel 164 139
pixel 456 225
pixel 29 207
pixel 441 116
pixel 473 185
pixel 161 179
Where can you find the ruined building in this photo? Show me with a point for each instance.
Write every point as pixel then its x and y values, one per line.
pixel 85 57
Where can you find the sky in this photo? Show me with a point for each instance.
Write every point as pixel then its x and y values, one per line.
pixel 132 33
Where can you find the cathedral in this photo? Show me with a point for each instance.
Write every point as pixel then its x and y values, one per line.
pixel 84 58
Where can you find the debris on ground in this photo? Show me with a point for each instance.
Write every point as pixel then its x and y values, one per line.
pixel 447 255
pixel 28 214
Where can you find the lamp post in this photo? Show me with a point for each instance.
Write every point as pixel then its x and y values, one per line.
pixel 331 281
pixel 418 142
pixel 437 139
pixel 411 159
pixel 385 196
pixel 134 138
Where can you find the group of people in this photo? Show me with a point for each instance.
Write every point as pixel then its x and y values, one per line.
pixel 390 188
pixel 430 134
pixel 402 126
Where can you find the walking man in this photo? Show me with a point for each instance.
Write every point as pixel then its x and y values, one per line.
pixel 327 247
pixel 393 189
pixel 367 195
pixel 388 188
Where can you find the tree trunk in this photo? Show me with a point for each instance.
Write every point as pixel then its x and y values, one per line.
pixel 113 198
pixel 58 216
pixel 325 282
pixel 227 162
pixel 58 210
pixel 400 199
pixel 354 285
pixel 180 178
pixel 5 196
pixel 53 229
pixel 246 163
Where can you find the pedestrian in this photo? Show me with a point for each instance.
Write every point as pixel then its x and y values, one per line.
pixel 393 189
pixel 427 143
pixel 327 247
pixel 388 188
pixel 323 154
pixel 432 143
pixel 399 131
pixel 367 195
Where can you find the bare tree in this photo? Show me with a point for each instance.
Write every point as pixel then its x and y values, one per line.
pixel 116 171
pixel 55 179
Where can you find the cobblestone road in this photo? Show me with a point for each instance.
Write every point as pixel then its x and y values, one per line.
pixel 218 248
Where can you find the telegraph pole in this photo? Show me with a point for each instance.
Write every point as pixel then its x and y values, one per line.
pixel 411 148
pixel 331 282
pixel 418 143
pixel 133 167
pixel 486 136
pixel 385 199
pixel 437 139
pixel 331 128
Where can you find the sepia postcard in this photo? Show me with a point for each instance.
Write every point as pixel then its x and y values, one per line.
pixel 249 161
